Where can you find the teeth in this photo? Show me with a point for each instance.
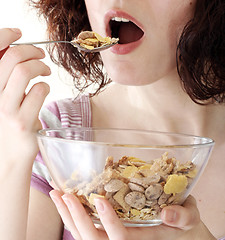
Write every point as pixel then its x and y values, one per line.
pixel 119 19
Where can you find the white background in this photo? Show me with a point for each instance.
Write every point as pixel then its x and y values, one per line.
pixel 18 14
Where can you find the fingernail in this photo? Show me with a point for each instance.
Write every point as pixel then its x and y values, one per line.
pixel 51 184
pixel 67 202
pixel 16 30
pixel 99 205
pixel 169 216
pixel 49 70
pixel 55 200
pixel 42 50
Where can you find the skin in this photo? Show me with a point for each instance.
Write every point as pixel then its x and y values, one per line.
pixel 158 86
pixel 75 216
pixel 18 147
pixel 162 25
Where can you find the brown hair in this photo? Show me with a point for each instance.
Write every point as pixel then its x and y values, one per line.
pixel 65 20
pixel 200 52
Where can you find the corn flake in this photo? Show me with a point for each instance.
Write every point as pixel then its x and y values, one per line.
pixel 91 40
pixel 175 184
pixel 129 171
pixel 93 196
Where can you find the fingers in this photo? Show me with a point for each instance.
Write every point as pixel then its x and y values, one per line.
pixel 18 66
pixel 110 220
pixel 13 58
pixel 53 185
pixel 184 217
pixel 76 213
pixel 8 36
pixel 56 196
pixel 13 93
pixel 81 218
pixel 33 102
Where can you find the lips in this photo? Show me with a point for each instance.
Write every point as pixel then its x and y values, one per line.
pixel 129 30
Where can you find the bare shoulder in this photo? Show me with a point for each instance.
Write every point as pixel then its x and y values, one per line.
pixel 44 221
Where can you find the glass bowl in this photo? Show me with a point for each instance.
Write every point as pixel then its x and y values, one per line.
pixel 138 171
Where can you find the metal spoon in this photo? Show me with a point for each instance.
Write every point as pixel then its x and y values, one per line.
pixel 96 49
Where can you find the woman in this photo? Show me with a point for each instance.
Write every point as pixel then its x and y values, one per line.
pixel 168 74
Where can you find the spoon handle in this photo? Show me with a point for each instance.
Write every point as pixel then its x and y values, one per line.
pixel 43 42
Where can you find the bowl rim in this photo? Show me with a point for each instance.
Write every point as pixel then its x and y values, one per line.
pixel 207 141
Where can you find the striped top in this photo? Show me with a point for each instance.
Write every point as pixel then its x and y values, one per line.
pixel 62 113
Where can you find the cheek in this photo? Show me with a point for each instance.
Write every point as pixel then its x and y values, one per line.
pixel 94 14
pixel 173 16
pixel 168 31
pixel 89 6
pixel 181 17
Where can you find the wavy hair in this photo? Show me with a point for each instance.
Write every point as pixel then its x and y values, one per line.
pixel 65 20
pixel 200 51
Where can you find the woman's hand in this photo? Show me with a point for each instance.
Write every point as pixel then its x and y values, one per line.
pixel 180 222
pixel 18 110
pixel 18 123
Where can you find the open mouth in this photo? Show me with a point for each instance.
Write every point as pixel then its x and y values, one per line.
pixel 125 30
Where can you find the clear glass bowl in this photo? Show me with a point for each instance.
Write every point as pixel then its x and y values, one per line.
pixel 139 172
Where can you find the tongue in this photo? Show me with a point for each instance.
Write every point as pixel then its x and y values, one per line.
pixel 129 32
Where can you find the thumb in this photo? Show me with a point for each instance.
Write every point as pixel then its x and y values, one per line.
pixel 184 217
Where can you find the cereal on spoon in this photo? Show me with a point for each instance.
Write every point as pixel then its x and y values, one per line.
pixel 91 40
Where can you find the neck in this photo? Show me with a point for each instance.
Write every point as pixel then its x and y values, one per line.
pixel 163 93
pixel 161 106
pixel 165 106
